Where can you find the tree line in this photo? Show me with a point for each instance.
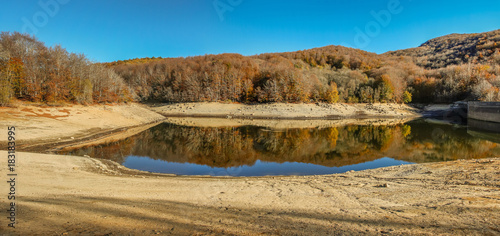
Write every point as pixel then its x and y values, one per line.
pixel 31 71
pixel 329 74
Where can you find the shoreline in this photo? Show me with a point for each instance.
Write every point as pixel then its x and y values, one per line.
pixel 279 124
pixel 286 111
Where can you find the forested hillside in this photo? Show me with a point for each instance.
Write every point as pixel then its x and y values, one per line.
pixel 456 49
pixel 30 71
pixel 443 70
pixel 329 74
pixel 458 67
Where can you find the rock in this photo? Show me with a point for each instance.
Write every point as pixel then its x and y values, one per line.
pixel 382 185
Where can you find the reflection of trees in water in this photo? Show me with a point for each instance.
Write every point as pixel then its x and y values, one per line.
pixel 429 142
pixel 334 146
pixel 212 146
pixel 357 144
pixel 116 151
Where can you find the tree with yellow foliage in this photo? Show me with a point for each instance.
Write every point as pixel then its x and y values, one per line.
pixel 332 94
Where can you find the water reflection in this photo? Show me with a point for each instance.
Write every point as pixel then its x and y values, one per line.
pixel 249 150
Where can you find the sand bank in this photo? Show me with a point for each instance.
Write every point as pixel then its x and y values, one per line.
pixel 39 128
pixel 286 110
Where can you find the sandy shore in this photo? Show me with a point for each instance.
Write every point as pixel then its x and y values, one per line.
pixel 65 195
pixel 287 111
pixel 39 127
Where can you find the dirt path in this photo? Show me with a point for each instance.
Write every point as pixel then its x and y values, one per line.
pixel 63 195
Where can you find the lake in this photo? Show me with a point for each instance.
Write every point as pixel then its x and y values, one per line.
pixel 251 150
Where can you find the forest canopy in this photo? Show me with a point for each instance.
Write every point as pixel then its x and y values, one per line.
pixel 443 70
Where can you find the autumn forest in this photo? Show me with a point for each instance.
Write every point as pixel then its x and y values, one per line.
pixel 451 68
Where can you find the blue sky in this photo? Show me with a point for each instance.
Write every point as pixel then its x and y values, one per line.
pixel 109 30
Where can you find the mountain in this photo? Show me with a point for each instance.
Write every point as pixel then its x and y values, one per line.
pixel 456 67
pixel 455 49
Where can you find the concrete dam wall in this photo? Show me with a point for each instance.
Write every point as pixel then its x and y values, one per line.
pixel 484 111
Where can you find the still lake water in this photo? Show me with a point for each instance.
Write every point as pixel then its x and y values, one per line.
pixel 259 151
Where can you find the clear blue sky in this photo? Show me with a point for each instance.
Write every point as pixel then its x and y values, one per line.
pixel 108 30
